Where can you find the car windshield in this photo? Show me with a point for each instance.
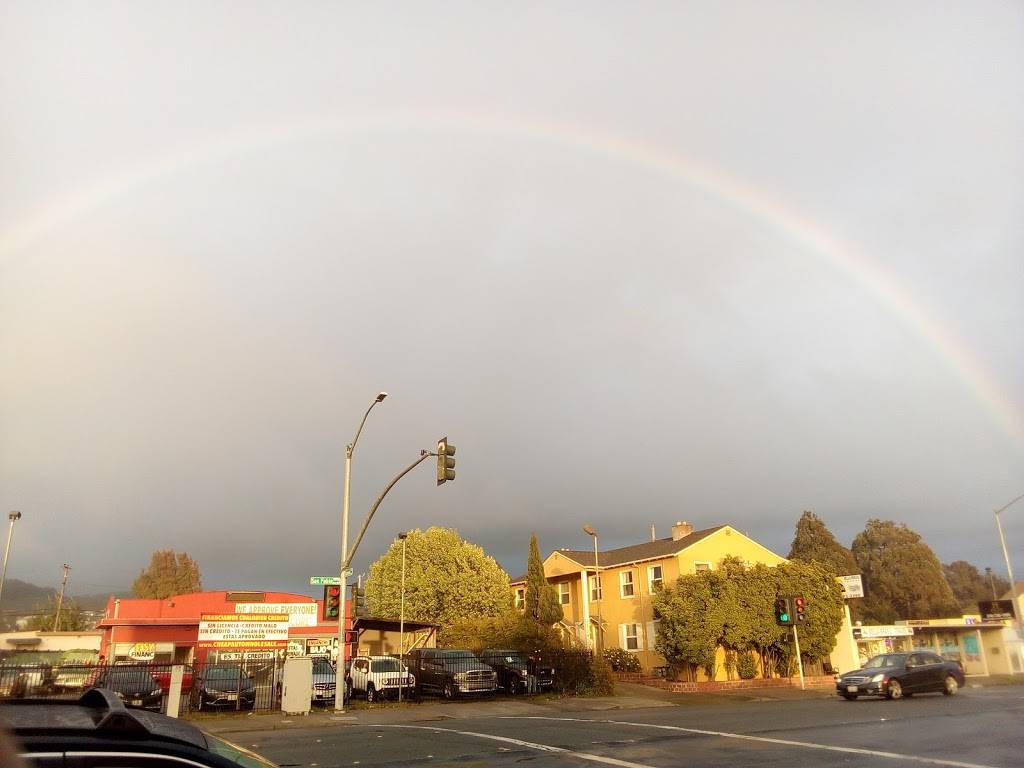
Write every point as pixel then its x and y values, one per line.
pixel 385 665
pixel 224 673
pixel 322 667
pixel 459 656
pixel 885 660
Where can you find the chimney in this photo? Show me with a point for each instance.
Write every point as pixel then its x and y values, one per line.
pixel 654 536
pixel 681 530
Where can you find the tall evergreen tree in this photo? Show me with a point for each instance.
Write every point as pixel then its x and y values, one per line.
pixel 169 573
pixel 902 576
pixel 814 542
pixel 970 586
pixel 541 598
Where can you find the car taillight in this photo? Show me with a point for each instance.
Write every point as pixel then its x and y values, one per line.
pixel 960 664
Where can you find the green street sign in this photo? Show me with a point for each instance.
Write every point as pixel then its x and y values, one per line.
pixel 328 581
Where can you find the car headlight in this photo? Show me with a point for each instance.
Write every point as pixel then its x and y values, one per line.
pixel 460 675
pixel 878 678
pixel 156 692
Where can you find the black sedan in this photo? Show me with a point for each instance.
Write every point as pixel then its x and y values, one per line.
pixel 895 675
pixel 225 686
pixel 135 686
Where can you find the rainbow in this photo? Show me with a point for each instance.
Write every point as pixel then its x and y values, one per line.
pixel 767 209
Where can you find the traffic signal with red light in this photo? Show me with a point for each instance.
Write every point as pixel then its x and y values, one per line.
pixel 799 606
pixel 332 603
pixel 783 611
pixel 445 461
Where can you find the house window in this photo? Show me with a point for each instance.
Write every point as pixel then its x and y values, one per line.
pixel 701 566
pixel 595 587
pixel 626 583
pixel 629 636
pixel 520 599
pixel 655 578
pixel 563 592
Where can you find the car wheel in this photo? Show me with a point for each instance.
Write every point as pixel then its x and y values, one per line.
pixel 371 695
pixel 448 691
pixel 850 696
pixel 951 686
pixel 895 690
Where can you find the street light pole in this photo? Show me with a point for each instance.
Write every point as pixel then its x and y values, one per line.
pixel 60 599
pixel 13 517
pixel 401 617
pixel 1009 570
pixel 598 634
pixel 992 583
pixel 339 700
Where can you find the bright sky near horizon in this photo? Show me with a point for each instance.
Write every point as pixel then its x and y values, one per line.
pixel 719 262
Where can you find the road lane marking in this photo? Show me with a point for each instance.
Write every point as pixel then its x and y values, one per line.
pixel 527 744
pixel 766 740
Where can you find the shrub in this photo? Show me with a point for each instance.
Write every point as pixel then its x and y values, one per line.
pixel 746 665
pixel 603 678
pixel 622 660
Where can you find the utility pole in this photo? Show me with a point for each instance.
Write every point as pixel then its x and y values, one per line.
pixel 60 599
pixel 13 517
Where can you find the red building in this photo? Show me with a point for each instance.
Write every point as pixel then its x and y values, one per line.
pixel 167 630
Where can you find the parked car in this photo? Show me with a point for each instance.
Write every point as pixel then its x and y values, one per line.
pixel 895 675
pixel 82 731
pixel 163 677
pixel 324 679
pixel 132 685
pixel 378 677
pixel 71 677
pixel 451 672
pixel 225 686
pixel 518 673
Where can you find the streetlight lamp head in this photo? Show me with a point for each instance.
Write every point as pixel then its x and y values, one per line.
pixel 381 396
pixel 14 516
pixel 589 530
pixel 403 535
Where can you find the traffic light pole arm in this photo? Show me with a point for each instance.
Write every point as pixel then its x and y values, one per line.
pixel 424 455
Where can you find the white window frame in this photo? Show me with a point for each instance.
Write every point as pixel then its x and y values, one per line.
pixel 626 580
pixel 594 584
pixel 651 581
pixel 625 637
pixel 701 562
pixel 520 598
pixel 563 593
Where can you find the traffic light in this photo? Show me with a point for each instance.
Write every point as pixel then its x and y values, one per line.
pixel 799 604
pixel 359 601
pixel 445 461
pixel 783 611
pixel 332 603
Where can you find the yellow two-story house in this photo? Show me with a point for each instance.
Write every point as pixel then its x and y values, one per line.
pixel 607 604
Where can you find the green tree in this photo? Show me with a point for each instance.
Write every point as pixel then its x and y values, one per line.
pixel 541 598
pixel 824 600
pixel 903 577
pixel 71 617
pixel 813 541
pixel 970 586
pixel 689 631
pixel 169 573
pixel 447 579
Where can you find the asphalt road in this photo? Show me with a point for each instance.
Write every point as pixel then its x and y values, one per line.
pixel 979 727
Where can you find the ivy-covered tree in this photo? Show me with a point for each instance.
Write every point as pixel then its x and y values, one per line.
pixel 813 541
pixel 541 598
pixel 902 576
pixel 446 579
pixel 169 573
pixel 970 586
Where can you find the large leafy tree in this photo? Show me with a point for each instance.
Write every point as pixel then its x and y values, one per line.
pixel 813 541
pixel 446 579
pixel 71 617
pixel 969 585
pixel 541 598
pixel 169 573
pixel 902 576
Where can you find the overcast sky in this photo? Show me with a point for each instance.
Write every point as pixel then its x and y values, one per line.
pixel 717 262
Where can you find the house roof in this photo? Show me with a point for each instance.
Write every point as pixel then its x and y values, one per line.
pixel 649 550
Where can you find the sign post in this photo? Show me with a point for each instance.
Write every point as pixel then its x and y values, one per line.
pixel 799 661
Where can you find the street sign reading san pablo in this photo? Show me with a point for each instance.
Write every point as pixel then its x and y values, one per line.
pixel 328 581
pixel 852 586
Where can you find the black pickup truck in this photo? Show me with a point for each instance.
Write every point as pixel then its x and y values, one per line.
pixel 450 672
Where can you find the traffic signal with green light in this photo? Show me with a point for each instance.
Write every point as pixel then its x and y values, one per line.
pixel 445 461
pixel 799 614
pixel 784 611
pixel 332 603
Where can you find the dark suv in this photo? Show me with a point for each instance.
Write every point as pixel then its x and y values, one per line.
pixel 97 729
pixel 518 673
pixel 451 672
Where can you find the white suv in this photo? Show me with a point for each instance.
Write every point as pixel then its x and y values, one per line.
pixel 379 676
